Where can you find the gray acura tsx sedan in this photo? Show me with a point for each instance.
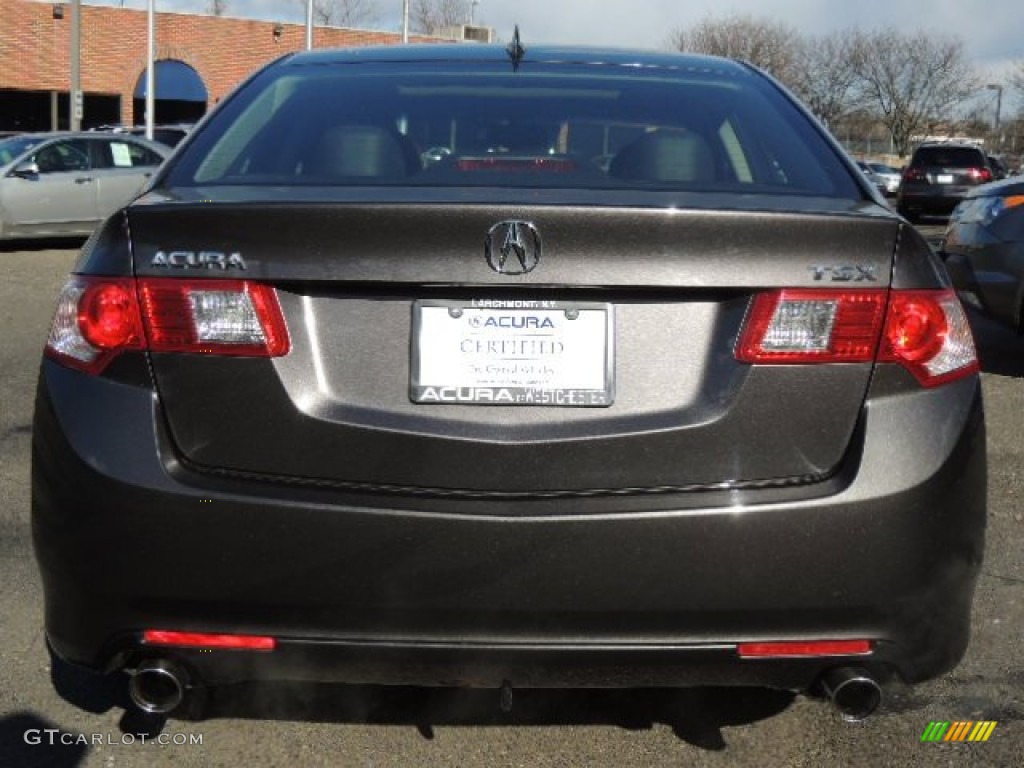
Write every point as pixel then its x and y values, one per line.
pixel 509 367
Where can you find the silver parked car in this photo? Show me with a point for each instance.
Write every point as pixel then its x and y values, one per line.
pixel 64 184
pixel 891 176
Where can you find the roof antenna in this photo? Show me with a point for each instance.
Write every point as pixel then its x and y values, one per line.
pixel 515 50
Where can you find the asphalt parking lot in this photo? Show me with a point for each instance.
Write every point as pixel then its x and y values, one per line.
pixel 85 724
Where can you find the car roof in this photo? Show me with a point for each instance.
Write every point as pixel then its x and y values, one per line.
pixel 162 149
pixel 951 144
pixel 456 53
pixel 45 135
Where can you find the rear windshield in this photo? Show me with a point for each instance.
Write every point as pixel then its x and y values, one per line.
pixel 949 157
pixel 583 127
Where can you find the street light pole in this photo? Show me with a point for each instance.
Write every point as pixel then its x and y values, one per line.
pixel 309 25
pixel 999 101
pixel 150 69
pixel 405 21
pixel 75 106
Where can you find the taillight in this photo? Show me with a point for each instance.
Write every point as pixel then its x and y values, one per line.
pixel 981 175
pixel 813 326
pixel 98 318
pixel 925 331
pixel 914 174
pixel 214 317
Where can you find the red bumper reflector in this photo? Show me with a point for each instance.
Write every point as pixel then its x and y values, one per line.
pixel 790 650
pixel 202 640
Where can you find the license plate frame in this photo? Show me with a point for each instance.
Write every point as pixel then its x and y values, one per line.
pixel 512 353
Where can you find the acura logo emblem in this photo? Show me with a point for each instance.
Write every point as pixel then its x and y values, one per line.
pixel 513 247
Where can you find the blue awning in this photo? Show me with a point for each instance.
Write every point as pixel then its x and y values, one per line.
pixel 175 81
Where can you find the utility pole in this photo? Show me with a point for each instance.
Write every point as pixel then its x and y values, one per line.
pixel 75 110
pixel 405 22
pixel 151 70
pixel 309 25
pixel 999 101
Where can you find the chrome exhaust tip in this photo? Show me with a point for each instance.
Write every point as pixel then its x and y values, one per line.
pixel 853 692
pixel 158 686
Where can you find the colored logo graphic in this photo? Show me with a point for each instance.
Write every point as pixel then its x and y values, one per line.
pixel 959 731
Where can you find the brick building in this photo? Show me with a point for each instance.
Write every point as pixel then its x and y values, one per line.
pixel 200 60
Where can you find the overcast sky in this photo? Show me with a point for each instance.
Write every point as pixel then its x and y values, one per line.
pixel 993 30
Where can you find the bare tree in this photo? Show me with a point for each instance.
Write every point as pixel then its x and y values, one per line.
pixel 342 13
pixel 1017 78
pixel 431 16
pixel 914 80
pixel 216 7
pixel 767 44
pixel 825 78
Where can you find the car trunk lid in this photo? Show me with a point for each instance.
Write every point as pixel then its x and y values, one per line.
pixel 667 292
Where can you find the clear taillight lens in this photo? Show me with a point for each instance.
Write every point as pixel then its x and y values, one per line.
pixel 925 331
pixel 812 326
pixel 218 317
pixel 98 318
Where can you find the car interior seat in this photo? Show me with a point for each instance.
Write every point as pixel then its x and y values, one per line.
pixel 665 156
pixel 363 151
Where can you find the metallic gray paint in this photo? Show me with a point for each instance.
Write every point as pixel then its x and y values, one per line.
pixel 891 556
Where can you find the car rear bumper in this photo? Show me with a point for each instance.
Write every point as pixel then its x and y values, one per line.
pixel 937 201
pixel 396 590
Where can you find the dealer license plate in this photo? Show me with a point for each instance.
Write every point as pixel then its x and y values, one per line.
pixel 498 352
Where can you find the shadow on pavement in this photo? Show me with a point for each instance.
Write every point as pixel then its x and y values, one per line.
pixel 1001 350
pixel 695 715
pixel 28 741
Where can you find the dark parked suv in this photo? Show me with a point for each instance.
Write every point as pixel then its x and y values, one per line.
pixel 459 365
pixel 939 177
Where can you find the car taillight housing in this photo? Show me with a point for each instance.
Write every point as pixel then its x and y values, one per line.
pixel 98 318
pixel 914 174
pixel 924 331
pixel 981 175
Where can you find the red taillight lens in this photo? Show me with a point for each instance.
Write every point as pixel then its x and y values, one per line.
pixel 108 315
pixel 925 331
pixel 203 640
pixel 98 318
pixel 802 648
pixel 916 329
pixel 914 174
pixel 813 326
pixel 981 175
pixel 215 317
pixel 928 333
